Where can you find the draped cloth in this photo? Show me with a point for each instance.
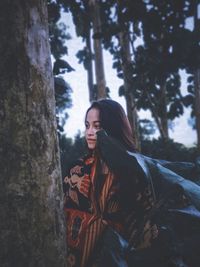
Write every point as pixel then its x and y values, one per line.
pixel 96 198
pixel 175 211
pixel 134 195
pixel 87 216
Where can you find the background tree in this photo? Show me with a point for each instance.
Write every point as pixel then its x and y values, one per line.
pixel 158 61
pixel 32 224
pixel 154 77
pixel 196 51
pixel 126 64
pixel 86 55
pixel 87 20
pixel 58 36
pixel 82 20
pixel 98 53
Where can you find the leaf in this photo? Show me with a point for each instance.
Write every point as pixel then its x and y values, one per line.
pixel 190 89
pixel 190 79
pixel 53 12
pixel 62 94
pixel 120 75
pixel 61 66
pixel 188 100
pixel 121 91
pixel 175 109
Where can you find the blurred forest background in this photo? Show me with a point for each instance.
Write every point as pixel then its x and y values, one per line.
pixel 150 70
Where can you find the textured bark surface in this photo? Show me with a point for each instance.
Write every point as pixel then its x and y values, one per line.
pixel 31 217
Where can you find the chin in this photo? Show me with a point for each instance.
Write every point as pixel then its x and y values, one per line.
pixel 91 147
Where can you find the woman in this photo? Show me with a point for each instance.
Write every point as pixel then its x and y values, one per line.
pixel 97 196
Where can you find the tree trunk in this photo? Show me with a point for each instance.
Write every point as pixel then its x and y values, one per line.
pixel 197 106
pixel 98 53
pixel 89 52
pixel 32 224
pixel 155 115
pixel 163 113
pixel 126 67
pixel 130 102
pixel 197 80
pixel 90 68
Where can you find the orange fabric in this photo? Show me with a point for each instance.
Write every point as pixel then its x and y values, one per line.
pixel 85 222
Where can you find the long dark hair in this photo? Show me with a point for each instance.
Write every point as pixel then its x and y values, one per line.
pixel 114 121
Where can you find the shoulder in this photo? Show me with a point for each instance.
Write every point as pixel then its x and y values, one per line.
pixel 77 166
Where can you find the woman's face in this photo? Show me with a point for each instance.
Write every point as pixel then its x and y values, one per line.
pixel 92 125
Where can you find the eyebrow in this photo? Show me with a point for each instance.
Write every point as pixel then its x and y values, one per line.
pixel 94 121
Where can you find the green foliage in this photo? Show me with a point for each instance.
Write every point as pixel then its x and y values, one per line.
pixel 146 129
pixel 58 36
pixel 53 11
pixel 63 101
pixel 71 150
pixel 156 63
pixel 84 57
pixel 168 150
pixel 57 31
pixel 80 14
pixel 62 90
pixel 189 99
pixel 61 66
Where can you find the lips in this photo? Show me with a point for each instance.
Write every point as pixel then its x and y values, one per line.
pixel 91 140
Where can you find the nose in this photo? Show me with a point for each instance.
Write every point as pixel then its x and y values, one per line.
pixel 91 130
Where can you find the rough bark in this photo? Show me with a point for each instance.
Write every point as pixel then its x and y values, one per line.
pixel 98 52
pixel 32 223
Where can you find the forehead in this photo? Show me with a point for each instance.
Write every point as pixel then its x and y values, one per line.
pixel 93 115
